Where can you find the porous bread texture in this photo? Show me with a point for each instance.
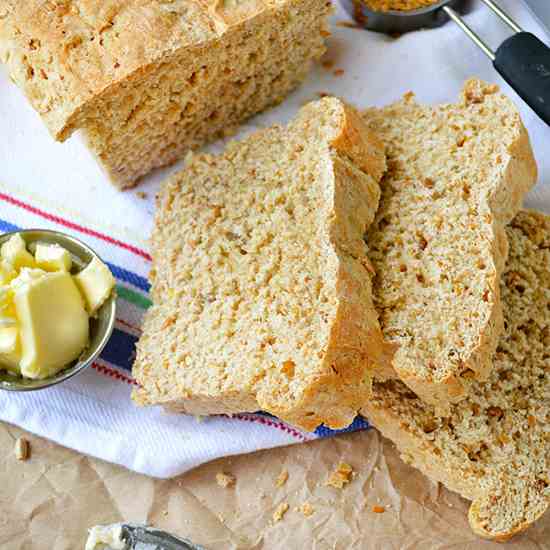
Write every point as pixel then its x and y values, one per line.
pixel 494 448
pixel 260 274
pixel 457 174
pixel 147 80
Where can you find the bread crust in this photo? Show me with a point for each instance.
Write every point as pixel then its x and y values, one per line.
pixel 340 382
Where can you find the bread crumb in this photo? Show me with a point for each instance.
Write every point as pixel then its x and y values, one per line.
pixel 327 64
pixel 141 194
pixel 378 509
pixel 225 480
pixel 341 476
pixel 323 94
pixel 338 72
pixel 22 449
pixel 280 511
pixel 307 509
pixel 282 479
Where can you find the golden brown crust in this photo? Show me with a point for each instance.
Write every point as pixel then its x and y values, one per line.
pixel 228 14
pixel 361 145
pixel 86 58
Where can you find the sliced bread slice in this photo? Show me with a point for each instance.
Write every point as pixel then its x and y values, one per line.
pixel 456 175
pixel 494 448
pixel 260 273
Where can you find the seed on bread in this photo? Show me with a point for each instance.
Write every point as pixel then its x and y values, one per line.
pixel 282 478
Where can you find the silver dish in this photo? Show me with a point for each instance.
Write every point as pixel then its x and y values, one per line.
pixel 101 326
pixel 393 21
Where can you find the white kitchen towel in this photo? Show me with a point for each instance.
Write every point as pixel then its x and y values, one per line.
pixel 52 185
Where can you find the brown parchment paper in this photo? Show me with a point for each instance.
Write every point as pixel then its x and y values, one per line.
pixel 49 501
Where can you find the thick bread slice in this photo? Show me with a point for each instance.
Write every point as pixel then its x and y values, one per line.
pixel 147 80
pixel 456 175
pixel 260 272
pixel 494 448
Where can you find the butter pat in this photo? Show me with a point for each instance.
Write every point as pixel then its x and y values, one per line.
pixel 10 351
pixel 106 537
pixel 52 257
pixel 15 253
pixel 53 323
pixel 96 283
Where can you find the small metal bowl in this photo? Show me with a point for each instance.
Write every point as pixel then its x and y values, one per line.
pixel 101 326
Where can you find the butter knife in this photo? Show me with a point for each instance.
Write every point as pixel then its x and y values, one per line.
pixel 128 536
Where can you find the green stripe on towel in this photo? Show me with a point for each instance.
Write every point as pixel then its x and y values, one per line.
pixel 133 297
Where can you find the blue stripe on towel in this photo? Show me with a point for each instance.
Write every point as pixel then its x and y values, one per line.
pixel 6 227
pixel 129 277
pixel 359 423
pixel 120 350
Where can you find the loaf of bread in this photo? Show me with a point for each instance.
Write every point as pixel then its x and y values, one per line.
pixel 494 448
pixel 261 283
pixel 148 80
pixel 456 175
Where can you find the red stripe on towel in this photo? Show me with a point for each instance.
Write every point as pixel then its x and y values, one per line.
pixel 76 227
pixel 112 373
pixel 269 422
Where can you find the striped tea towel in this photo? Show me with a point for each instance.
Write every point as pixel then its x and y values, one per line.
pixel 59 186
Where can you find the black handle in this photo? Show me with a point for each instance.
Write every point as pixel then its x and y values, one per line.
pixel 524 62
